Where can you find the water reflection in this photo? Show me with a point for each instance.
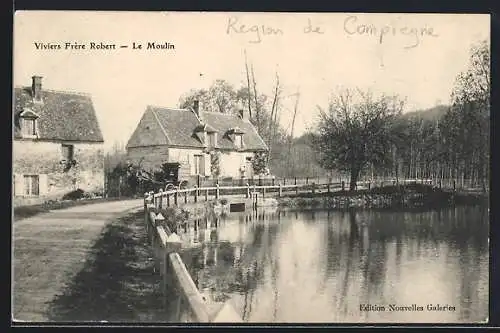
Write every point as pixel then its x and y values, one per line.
pixel 320 266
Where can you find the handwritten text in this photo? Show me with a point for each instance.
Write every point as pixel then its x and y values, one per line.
pixel 352 27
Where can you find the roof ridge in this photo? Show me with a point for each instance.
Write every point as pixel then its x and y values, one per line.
pixel 166 107
pixel 58 91
pixel 222 113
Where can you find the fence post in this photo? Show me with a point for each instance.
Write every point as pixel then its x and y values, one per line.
pixel 440 184
pixel 343 186
pixel 369 186
pixel 295 183
pixel 168 200
pixel 159 219
pixel 206 195
pixel 176 196
pixel 263 192
pixel 147 203
pixel 313 187
pixel 185 197
pixel 248 191
pixel 195 193
pixel 160 199
pixel 280 190
pixel 273 181
pixel 307 180
pixel 284 181
pixel 328 187
pixel 454 185
pixel 149 209
pixel 173 244
pixel 217 191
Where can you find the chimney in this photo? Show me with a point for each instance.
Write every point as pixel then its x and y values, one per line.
pixel 242 114
pixel 241 111
pixel 36 87
pixel 196 108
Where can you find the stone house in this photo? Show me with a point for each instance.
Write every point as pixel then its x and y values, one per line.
pixel 191 137
pixel 57 144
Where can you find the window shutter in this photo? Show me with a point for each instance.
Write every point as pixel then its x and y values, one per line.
pixel 191 163
pixel 207 165
pixel 43 184
pixel 18 184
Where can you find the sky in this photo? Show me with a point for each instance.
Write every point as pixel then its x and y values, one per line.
pixel 416 56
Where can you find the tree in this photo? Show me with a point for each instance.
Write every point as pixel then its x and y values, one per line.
pixel 355 131
pixel 220 97
pixel 215 163
pixel 468 117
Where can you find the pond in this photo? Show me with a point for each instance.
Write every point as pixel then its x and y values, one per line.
pixel 345 266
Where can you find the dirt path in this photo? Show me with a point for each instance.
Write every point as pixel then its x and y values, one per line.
pixel 50 248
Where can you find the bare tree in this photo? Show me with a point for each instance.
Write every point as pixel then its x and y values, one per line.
pixel 355 131
pixel 249 99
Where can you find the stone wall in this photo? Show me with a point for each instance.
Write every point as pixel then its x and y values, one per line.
pixel 154 156
pixel 231 162
pixel 151 157
pixel 44 159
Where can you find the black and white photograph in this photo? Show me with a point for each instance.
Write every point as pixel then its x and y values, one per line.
pixel 250 167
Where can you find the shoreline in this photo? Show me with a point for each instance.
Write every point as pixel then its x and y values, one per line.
pixel 387 198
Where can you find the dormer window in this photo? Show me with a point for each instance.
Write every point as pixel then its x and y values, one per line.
pixel 212 139
pixel 238 141
pixel 28 122
pixel 28 127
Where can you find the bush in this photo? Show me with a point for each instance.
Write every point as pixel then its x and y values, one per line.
pixel 74 195
pixel 174 217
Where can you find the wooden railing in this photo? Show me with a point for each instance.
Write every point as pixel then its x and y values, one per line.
pixel 183 301
pixel 178 196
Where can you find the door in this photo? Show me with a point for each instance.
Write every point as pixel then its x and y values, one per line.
pixel 248 167
pixel 199 165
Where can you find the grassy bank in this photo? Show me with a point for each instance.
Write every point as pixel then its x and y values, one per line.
pixel 117 282
pixel 398 196
pixel 22 212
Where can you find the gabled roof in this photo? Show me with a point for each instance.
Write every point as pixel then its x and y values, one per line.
pixel 180 127
pixel 64 116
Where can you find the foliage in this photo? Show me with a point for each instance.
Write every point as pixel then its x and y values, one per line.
pixel 220 97
pixel 259 162
pixel 174 217
pixel 215 163
pixel 356 131
pixel 74 195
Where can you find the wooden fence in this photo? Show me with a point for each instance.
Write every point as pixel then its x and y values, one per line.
pixel 178 196
pixel 182 299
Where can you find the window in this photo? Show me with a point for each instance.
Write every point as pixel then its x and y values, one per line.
pixel 238 141
pixel 212 141
pixel 199 164
pixel 67 152
pixel 31 185
pixel 28 127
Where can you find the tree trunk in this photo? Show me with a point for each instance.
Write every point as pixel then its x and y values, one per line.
pixel 354 179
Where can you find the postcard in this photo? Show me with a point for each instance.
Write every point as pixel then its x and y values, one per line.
pixel 208 167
